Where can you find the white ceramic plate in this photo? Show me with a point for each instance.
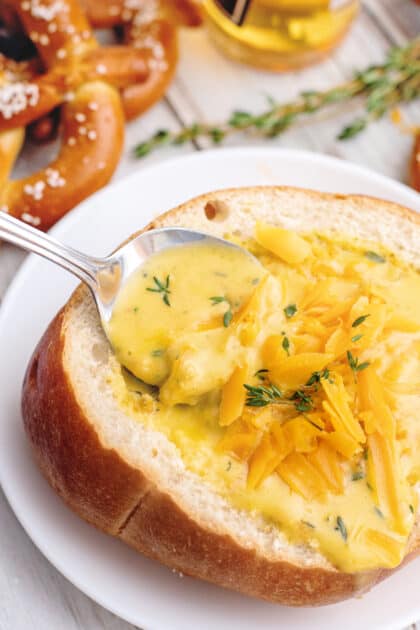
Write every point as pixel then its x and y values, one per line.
pixel 137 589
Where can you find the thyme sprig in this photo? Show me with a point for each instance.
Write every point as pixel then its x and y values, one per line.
pixel 161 287
pixel 383 86
pixel 354 364
pixel 269 394
pixel 263 395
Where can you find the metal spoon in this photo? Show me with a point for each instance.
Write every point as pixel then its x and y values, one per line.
pixel 105 277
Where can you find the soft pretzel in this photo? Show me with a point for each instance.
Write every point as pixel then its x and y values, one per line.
pixel 109 13
pixel 11 141
pixel 70 60
pixel 149 26
pixel 92 141
pixel 92 116
pixel 148 30
pixel 83 76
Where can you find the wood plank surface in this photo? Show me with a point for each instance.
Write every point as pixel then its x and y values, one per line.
pixel 33 595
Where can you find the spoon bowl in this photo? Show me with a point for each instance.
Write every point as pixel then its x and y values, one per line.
pixel 120 265
pixel 105 277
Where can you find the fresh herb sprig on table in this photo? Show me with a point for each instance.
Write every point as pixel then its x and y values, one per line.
pixel 382 86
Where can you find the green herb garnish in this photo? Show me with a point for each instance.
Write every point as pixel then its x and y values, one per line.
pixel 374 257
pixel 411 508
pixel 157 353
pixel 303 401
pixel 286 345
pixel 382 87
pixel 340 527
pixel 218 299
pixel 356 338
pixel 261 374
pixel 227 317
pixel 378 511
pixel 355 365
pixel 356 476
pixel 317 376
pixel 261 396
pixel 290 310
pixel 162 288
pixel 308 524
pixel 359 320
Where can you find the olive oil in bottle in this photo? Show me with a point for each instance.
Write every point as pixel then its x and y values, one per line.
pixel 278 34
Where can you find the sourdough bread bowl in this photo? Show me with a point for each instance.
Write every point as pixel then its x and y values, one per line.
pixel 129 480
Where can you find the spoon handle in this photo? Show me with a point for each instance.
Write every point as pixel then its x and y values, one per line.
pixel 26 237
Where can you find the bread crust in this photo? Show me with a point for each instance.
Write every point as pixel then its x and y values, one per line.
pixel 101 487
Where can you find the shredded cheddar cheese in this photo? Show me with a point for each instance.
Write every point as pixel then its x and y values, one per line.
pixel 326 432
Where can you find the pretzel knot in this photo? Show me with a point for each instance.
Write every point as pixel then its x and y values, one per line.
pixel 87 81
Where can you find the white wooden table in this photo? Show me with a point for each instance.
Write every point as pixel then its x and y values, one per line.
pixel 32 593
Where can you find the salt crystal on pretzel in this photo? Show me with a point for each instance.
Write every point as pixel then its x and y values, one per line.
pixel 47 11
pixel 16 97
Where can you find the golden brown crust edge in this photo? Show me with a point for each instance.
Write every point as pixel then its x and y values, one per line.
pixel 367 201
pixel 104 490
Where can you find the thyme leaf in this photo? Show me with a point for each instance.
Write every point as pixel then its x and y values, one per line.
pixel 161 287
pixel 290 310
pixel 217 299
pixel 374 257
pixel 227 317
pixel 340 527
pixel 261 374
pixel 308 524
pixel 359 320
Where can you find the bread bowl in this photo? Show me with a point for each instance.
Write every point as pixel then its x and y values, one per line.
pixel 130 481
